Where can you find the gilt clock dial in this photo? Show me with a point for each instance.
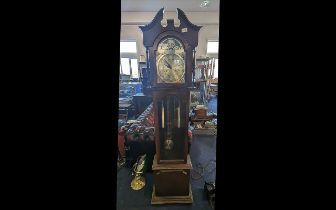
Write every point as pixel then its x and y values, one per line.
pixel 170 61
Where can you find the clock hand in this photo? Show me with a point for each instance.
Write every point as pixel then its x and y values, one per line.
pixel 165 63
pixel 168 65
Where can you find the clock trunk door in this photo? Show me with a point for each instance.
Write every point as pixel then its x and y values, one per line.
pixel 172 128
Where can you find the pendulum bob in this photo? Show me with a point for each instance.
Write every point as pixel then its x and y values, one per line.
pixel 168 144
pixel 139 167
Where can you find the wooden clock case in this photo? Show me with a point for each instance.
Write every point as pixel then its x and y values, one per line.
pixel 171 175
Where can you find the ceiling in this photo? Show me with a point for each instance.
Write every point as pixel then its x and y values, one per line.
pixel 170 5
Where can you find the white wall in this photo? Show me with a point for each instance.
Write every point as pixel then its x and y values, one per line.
pixel 130 22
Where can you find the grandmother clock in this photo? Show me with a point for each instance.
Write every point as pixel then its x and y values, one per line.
pixel 170 53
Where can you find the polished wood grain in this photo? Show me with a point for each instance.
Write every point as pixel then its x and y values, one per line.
pixel 162 166
pixel 172 180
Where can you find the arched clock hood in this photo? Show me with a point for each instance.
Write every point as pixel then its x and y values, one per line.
pixel 155 31
pixel 154 28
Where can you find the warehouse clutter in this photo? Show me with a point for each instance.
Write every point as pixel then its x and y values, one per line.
pixel 202 121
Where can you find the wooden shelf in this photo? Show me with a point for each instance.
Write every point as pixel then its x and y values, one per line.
pixel 202 119
pixel 200 81
pixel 210 132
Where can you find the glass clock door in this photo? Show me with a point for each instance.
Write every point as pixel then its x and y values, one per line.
pixel 172 128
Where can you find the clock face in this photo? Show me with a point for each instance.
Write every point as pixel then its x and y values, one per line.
pixel 170 61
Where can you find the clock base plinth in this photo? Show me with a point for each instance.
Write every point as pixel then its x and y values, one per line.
pixel 171 182
pixel 171 199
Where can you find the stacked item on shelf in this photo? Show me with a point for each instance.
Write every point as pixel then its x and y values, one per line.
pixel 201 77
pixel 126 90
pixel 195 98
pixel 125 100
pixel 213 89
pixel 200 73
pixel 203 122
pixel 125 108
pixel 124 77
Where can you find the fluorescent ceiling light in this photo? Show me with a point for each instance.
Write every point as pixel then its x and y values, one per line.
pixel 205 3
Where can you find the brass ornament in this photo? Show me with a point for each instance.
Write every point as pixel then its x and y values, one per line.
pixel 139 181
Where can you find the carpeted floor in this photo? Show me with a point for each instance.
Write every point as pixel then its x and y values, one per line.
pixel 202 153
